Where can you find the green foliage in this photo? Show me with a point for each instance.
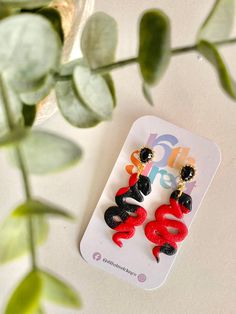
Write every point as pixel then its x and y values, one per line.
pixel 154 45
pixel 99 40
pixel 26 297
pixel 219 22
pixel 32 49
pixel 94 92
pixel 29 4
pixel 210 52
pixel 57 291
pixel 35 96
pixel 6 93
pixel 71 106
pixel 110 83
pixel 13 137
pixel 38 208
pixel 15 239
pixel 147 94
pixel 55 18
pixel 217 27
pixel 29 114
pixel 46 152
pixel 6 11
pixel 37 286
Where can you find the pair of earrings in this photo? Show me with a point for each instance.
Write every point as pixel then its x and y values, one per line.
pixel 162 231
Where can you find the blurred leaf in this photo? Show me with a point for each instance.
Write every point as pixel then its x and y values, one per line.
pixel 25 3
pixel 36 207
pixel 30 10
pixel 57 291
pixel 72 108
pixel 154 45
pixel 31 50
pixel 34 97
pixel 219 22
pixel 55 18
pixel 39 311
pixel 108 78
pixel 7 94
pixel 26 297
pixel 15 238
pixel 69 67
pixel 29 114
pixel 69 103
pixel 6 11
pixel 94 92
pixel 25 86
pixel 46 152
pixel 13 137
pixel 147 94
pixel 210 52
pixel 99 40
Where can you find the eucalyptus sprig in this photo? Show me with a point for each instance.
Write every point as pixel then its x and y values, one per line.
pixel 30 68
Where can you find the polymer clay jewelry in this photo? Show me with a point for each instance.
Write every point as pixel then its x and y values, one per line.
pixel 165 232
pixel 124 217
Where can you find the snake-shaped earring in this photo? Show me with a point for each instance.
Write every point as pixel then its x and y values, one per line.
pixel 124 217
pixel 180 203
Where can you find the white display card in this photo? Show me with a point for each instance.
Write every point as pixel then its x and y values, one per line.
pixel 174 147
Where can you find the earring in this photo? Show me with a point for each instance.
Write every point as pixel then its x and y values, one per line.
pixel 121 218
pixel 180 203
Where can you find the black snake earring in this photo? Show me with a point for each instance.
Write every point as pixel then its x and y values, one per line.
pixel 121 218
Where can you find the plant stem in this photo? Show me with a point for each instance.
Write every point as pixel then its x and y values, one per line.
pixel 25 180
pixel 225 42
pixel 175 51
pixel 20 159
pixel 115 65
pixel 180 50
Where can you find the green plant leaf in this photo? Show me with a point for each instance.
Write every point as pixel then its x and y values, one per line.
pixel 57 291
pixel 99 40
pixel 6 91
pixel 6 11
pixel 32 49
pixel 40 311
pixel 26 297
pixel 55 18
pixel 13 137
pixel 15 239
pixel 154 45
pixel 29 114
pixel 210 52
pixel 94 92
pixel 29 4
pixel 219 22
pixel 36 207
pixel 72 108
pixel 70 105
pixel 147 94
pixel 69 67
pixel 108 78
pixel 46 152
pixel 34 97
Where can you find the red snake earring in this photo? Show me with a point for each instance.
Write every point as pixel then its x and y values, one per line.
pixel 180 203
pixel 125 216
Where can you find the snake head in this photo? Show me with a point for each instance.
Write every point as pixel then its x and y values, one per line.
pixel 144 185
pixel 185 201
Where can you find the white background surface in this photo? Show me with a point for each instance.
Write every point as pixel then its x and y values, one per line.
pixel 203 278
